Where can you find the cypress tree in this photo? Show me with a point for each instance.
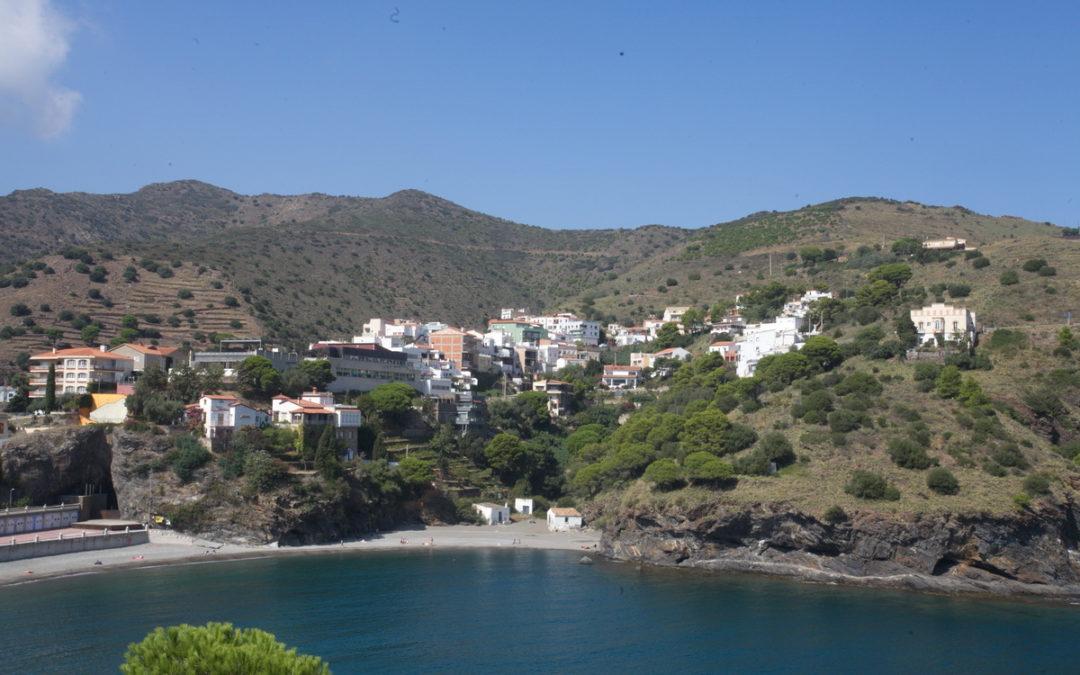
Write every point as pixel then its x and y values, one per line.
pixel 50 388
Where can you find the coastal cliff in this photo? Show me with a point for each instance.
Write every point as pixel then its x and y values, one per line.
pixel 1033 552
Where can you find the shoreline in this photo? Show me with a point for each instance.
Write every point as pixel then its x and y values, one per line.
pixel 169 548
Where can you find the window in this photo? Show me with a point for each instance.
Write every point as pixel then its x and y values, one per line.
pixel 69 363
pixel 82 363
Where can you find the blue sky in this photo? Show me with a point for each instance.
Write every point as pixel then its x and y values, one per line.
pixel 554 114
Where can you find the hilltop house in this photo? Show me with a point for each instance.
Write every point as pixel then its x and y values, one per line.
pixel 562 519
pixel 317 409
pixel 947 244
pixel 223 415
pixel 952 324
pixel 78 368
pixel 648 360
pixel 674 314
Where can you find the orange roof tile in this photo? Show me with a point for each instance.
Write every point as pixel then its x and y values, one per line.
pixel 89 352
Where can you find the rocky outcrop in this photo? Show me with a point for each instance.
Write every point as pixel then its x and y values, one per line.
pixel 46 465
pixel 1032 552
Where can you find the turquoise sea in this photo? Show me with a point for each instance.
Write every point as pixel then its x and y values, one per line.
pixel 481 611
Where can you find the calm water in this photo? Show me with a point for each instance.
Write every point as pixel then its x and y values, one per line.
pixel 514 611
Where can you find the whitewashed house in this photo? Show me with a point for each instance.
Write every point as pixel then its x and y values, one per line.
pixel 223 415
pixel 953 324
pixel 524 505
pixel 674 314
pixel 493 514
pixel 563 519
pixel 728 349
pixel 763 339
pixel 621 377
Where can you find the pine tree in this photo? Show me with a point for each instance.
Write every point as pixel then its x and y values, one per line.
pixel 327 462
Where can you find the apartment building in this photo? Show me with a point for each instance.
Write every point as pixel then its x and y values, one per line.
pixel 457 346
pixel 78 368
pixel 362 367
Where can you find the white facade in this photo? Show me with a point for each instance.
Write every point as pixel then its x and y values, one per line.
pixel 763 339
pixel 569 327
pixel 952 323
pixel 493 513
pixel 561 520
pixel 222 415
pixel 524 505
pixel 621 377
pixel 725 348
pixel 947 244
pixel 674 314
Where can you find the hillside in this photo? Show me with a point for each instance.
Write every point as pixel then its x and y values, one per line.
pixel 314 265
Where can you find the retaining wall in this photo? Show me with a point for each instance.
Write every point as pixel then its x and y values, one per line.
pixel 70 544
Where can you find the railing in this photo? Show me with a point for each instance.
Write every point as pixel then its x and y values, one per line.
pixel 36 509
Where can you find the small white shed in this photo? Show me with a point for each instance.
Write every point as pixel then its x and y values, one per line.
pixel 562 519
pixel 493 513
pixel 524 505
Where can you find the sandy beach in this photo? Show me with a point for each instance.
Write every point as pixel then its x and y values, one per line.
pixel 170 548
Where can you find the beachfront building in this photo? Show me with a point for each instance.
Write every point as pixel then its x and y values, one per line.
pixel 562 519
pixel 951 324
pixel 493 514
pixel 79 368
pixel 524 505
pixel 360 367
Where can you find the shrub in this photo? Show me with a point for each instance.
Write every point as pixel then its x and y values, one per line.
pixel 165 272
pixel 1009 278
pixel 1037 484
pixel 704 467
pixel 843 421
pixel 907 454
pixel 980 263
pixel 1021 500
pixel 859 383
pixel 1009 455
pixel 941 481
pixel 1033 265
pixel 1047 272
pixel 19 309
pixel 216 648
pixel 230 301
pixel 834 515
pixel 186 457
pixel 959 290
pixel 867 485
pixel 664 474
pixel 753 463
pixel 184 294
pixel 777 448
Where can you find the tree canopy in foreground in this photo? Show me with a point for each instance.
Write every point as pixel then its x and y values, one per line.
pixel 216 648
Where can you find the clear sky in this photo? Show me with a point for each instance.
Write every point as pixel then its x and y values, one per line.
pixel 558 114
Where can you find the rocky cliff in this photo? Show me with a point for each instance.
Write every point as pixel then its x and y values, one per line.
pixel 45 465
pixel 1034 552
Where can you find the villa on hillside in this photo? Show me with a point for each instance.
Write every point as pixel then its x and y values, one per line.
pixel 947 244
pixel 621 377
pixel 952 324
pixel 317 409
pixel 222 415
pixel 559 395
pixel 78 368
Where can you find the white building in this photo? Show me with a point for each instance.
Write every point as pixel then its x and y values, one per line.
pixel 947 244
pixel 223 415
pixel 648 360
pixel 951 323
pixel 561 519
pixel 674 314
pixel 621 377
pixel 493 514
pixel 569 327
pixel 77 368
pixel 763 339
pixel 728 349
pixel 524 505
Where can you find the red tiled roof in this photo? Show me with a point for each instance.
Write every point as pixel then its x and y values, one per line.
pixel 220 397
pixel 80 351
pixel 148 349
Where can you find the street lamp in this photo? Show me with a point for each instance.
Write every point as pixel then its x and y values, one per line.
pixel 11 495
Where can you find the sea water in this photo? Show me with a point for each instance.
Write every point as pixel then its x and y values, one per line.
pixel 475 611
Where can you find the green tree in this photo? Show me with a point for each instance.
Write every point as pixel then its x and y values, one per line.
pixel 948 382
pixel 664 474
pixel 256 378
pixel 319 373
pixel 525 414
pixel 328 453
pixel 867 485
pixel 216 648
pixel 784 368
pixel 896 274
pixel 50 388
pixel 941 481
pixel 506 455
pixel 417 473
pixel 294 382
pixel 704 468
pixel 392 400
pixel 668 336
pixel 693 319
pixel 905 330
pixel 876 294
pixel 704 431
pixel 822 352
pixel 90 333
pixel 906 246
pixel 971 394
